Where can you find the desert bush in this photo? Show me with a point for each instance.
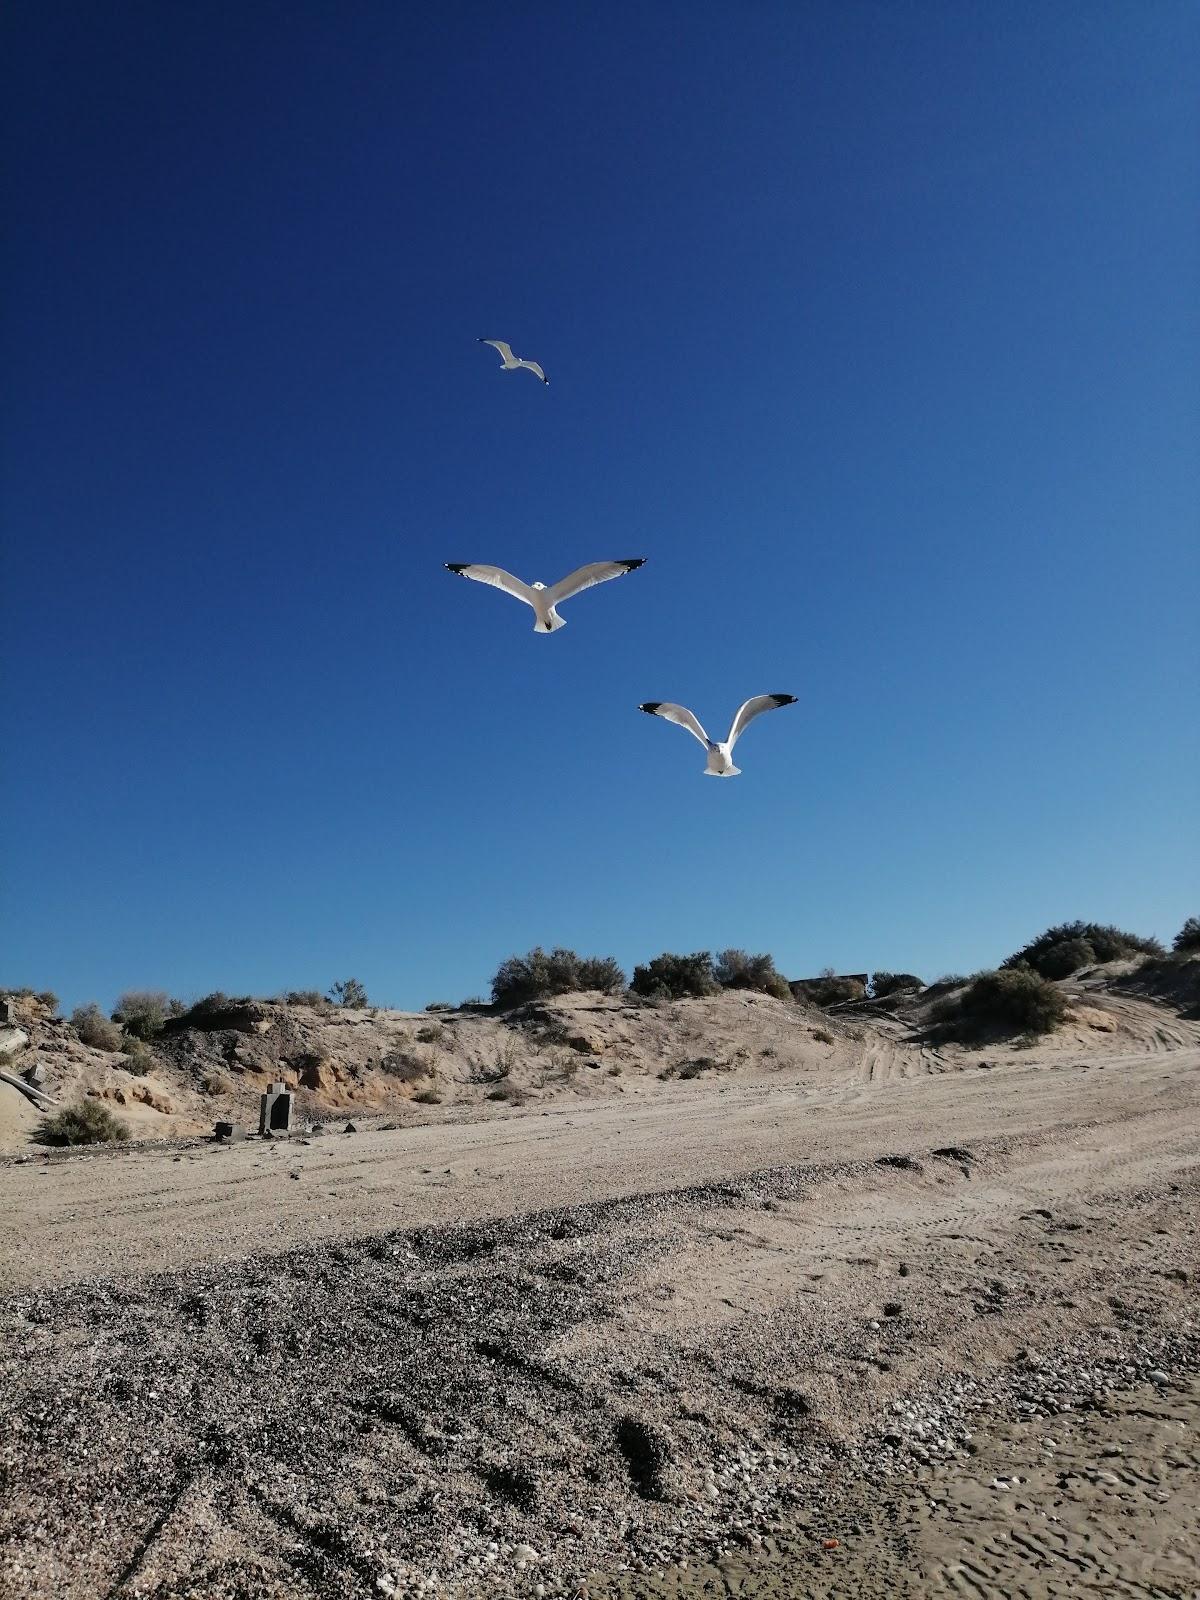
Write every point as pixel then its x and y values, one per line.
pixel 216 1083
pixel 1104 942
pixel 1188 937
pixel 428 1097
pixel 885 983
pixel 821 1035
pixel 431 1033
pixel 444 1005
pixel 471 1000
pixel 348 993
pixel 87 1123
pixel 94 1028
pixel 138 1055
pixel 734 969
pixel 142 1012
pixel 674 977
pixel 306 997
pixel 828 990
pixel 1016 999
pixel 540 973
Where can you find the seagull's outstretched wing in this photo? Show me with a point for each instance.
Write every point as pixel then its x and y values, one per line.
pixel 497 577
pixel 585 577
pixel 753 708
pixel 533 367
pixel 499 344
pixel 679 715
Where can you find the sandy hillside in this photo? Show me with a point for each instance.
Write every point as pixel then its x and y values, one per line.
pixel 638 1320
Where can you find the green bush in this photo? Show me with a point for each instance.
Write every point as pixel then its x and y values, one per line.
pixel 87 1123
pixel 734 969
pixel 1067 956
pixel 1188 937
pixel 142 1012
pixel 1014 999
pixel 540 974
pixel 1104 942
pixel 885 983
pixel 673 977
pixel 349 993
pixel 94 1028
pixel 306 997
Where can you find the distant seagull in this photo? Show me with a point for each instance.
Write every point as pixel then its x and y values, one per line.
pixel 510 362
pixel 537 595
pixel 720 756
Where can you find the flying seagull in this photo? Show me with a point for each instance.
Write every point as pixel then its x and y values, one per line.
pixel 720 756
pixel 510 362
pixel 537 595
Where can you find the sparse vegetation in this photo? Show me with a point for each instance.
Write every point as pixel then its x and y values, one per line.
pixel 428 1097
pixel 431 1033
pixel 348 993
pixel 94 1028
pixel 734 969
pixel 216 1083
pixel 821 1035
pixel 540 974
pixel 1188 937
pixel 1014 1000
pixel 306 997
pixel 46 998
pixel 87 1123
pixel 512 1092
pixel 142 1012
pixel 885 983
pixel 675 977
pixel 1066 948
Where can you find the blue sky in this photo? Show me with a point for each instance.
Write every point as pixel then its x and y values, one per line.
pixel 872 327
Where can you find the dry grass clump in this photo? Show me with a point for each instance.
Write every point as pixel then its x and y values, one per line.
pixel 215 1083
pixel 432 1033
pixel 45 998
pixel 428 1097
pixel 87 1123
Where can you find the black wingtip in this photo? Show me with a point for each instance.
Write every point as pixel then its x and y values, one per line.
pixel 457 566
pixel 634 564
pixel 650 707
pixel 784 699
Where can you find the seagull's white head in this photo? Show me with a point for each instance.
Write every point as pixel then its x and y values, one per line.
pixel 537 585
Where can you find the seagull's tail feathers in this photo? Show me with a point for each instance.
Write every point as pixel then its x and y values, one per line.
pixel 551 625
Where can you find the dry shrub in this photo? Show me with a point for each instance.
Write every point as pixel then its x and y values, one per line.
pixel 216 1083
pixel 87 1123
pixel 94 1028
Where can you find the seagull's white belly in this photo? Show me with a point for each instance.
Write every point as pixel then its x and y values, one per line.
pixel 720 762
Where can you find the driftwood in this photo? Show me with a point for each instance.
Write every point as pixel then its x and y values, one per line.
pixel 27 1089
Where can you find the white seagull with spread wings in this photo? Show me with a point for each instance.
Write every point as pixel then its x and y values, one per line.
pixel 720 756
pixel 537 595
pixel 510 362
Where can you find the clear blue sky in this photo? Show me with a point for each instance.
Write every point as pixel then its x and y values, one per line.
pixel 873 327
